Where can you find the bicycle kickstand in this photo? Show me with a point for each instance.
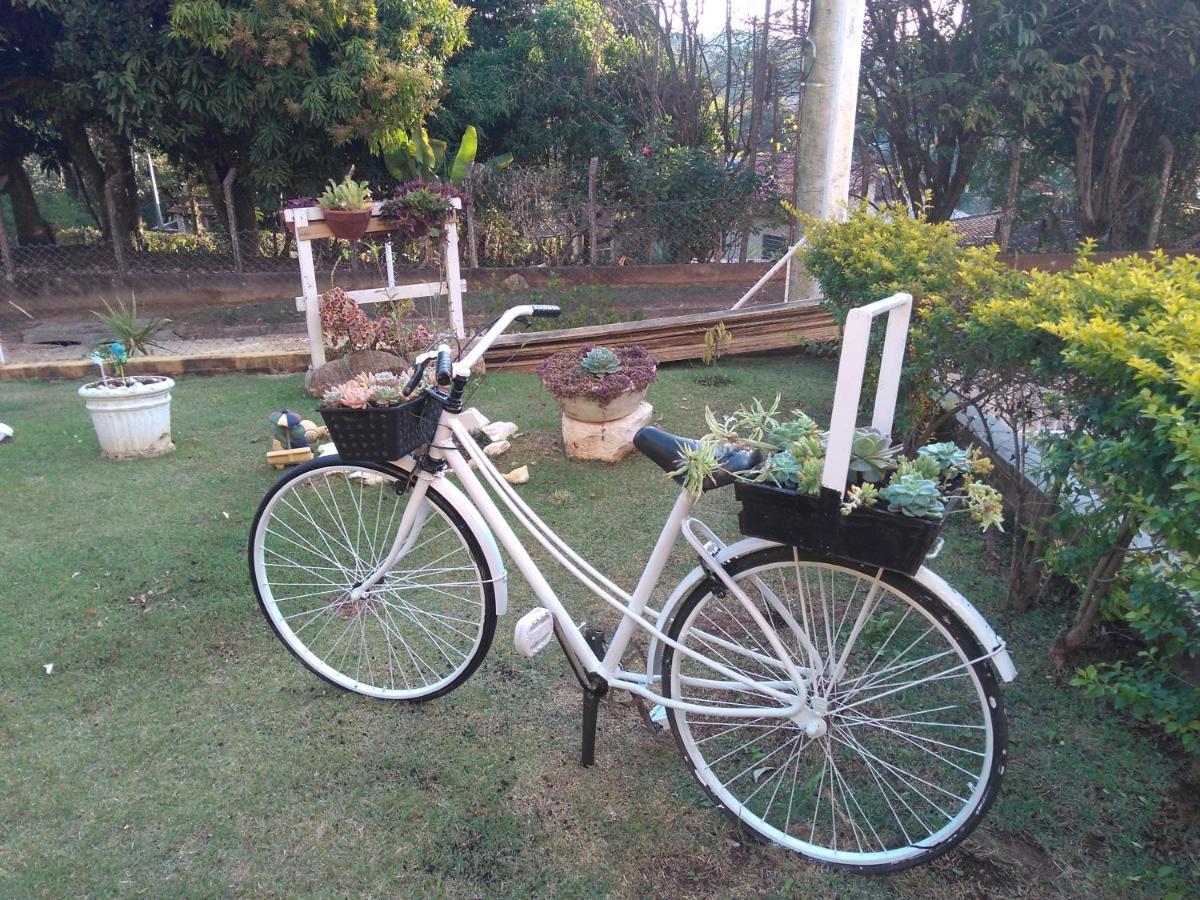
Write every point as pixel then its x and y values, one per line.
pixel 593 691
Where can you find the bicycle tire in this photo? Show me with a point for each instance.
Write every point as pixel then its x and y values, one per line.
pixel 849 765
pixel 323 523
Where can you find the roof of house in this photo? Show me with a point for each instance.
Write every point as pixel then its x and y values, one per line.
pixel 978 230
pixel 779 169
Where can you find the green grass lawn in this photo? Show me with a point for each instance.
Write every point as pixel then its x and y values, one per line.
pixel 177 748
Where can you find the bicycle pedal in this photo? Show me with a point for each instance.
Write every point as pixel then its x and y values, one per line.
pixel 533 631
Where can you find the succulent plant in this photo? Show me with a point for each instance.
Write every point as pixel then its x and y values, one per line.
pixel 798 429
pixel 807 448
pixel 786 470
pixel 946 454
pixel 915 496
pixel 872 454
pixel 349 194
pixel 600 361
pixel 386 395
pixel 925 466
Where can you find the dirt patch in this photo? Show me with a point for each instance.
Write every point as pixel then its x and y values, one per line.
pixel 535 445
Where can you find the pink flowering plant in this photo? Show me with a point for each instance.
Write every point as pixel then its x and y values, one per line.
pixel 347 329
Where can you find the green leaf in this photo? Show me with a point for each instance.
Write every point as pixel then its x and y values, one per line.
pixel 465 156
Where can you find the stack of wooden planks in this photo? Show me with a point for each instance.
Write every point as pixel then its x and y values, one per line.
pixel 752 328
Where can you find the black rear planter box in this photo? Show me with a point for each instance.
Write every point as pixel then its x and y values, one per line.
pixel 815 523
pixel 380 433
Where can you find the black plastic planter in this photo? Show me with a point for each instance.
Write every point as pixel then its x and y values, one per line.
pixel 383 433
pixel 872 536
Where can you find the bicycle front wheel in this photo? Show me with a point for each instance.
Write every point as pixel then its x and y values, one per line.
pixel 421 631
pixel 910 750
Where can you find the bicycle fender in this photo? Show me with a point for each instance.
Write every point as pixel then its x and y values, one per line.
pixel 487 541
pixel 972 618
pixel 960 606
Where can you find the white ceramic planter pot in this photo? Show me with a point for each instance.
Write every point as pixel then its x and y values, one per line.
pixel 585 409
pixel 132 420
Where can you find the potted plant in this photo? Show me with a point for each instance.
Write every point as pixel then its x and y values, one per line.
pixel 131 413
pixel 891 512
pixel 296 203
pixel 369 417
pixel 598 384
pixel 420 209
pixel 347 208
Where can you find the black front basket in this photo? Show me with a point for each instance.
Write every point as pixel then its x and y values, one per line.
pixel 383 433
pixel 815 523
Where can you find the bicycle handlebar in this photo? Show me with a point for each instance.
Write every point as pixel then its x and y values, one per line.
pixel 509 316
pixel 442 369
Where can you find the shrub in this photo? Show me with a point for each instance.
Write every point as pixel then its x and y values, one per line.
pixel 686 200
pixel 1121 344
pixel 873 255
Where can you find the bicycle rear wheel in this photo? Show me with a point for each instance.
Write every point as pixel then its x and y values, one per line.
pixel 915 733
pixel 420 632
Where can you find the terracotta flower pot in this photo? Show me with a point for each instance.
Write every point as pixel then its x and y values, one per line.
pixel 348 224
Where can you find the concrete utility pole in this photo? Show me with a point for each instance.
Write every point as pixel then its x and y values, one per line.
pixel 826 143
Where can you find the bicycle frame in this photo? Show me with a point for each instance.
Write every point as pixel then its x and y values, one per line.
pixel 790 691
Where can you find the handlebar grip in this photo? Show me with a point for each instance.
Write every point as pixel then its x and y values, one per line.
pixel 546 312
pixel 417 375
pixel 444 369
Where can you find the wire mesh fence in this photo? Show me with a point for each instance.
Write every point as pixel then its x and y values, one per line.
pixel 227 292
pixel 553 216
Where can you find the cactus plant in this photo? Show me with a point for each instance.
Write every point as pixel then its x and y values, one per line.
pixel 915 496
pixel 872 454
pixel 600 361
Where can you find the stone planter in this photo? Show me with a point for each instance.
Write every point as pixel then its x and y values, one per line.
pixel 585 409
pixel 131 420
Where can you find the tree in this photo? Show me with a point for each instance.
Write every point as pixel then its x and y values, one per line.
pixel 929 86
pixel 283 91
pixel 1105 82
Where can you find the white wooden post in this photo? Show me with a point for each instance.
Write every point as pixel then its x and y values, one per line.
pixel 308 287
pixel 454 283
pixel 851 366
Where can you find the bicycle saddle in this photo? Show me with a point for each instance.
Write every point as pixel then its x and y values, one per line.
pixel 662 448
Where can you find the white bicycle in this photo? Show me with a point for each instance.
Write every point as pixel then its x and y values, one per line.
pixel 843 711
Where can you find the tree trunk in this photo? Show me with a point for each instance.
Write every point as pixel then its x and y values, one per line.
pixel 31 227
pixel 216 192
pixel 1099 584
pixel 245 204
pixel 1160 196
pixel 1009 214
pixel 118 165
pixel 87 166
pixel 757 101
